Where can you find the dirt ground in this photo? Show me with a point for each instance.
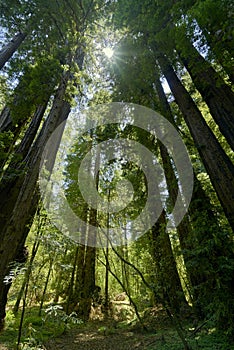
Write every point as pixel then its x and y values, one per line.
pixel 101 338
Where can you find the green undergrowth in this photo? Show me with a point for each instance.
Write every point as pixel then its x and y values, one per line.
pixel 158 334
pixel 204 336
pixel 205 341
pixel 52 322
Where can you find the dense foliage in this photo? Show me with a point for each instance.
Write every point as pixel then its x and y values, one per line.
pixel 174 57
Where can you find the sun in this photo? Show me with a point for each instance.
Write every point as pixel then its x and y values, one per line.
pixel 108 51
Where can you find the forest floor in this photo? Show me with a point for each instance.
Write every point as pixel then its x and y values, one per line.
pixel 100 337
pixel 113 335
pixel 158 335
pixel 100 334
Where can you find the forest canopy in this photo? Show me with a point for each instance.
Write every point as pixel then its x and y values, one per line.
pixel 116 163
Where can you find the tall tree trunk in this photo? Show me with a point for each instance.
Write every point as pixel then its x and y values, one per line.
pixel 29 269
pixel 124 268
pixel 89 272
pixel 218 96
pixel 214 33
pixel 221 33
pixel 4 288
pixel 167 275
pixel 188 238
pixel 31 132
pixel 71 288
pixel 166 270
pixel 9 49
pixel 225 60
pixel 218 165
pixel 11 189
pixel 20 258
pixel 60 276
pixel 46 284
pixel 90 254
pixel 78 294
pixel 5 119
pixel 106 300
pixel 79 284
pixel 27 141
pixel 17 198
pixel 89 283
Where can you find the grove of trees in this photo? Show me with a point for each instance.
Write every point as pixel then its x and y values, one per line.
pixel 174 57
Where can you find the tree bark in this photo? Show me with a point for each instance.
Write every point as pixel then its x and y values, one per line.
pixel 46 284
pixel 28 271
pixel 9 49
pixel 224 59
pixel 20 258
pixel 10 189
pixel 89 282
pixel 217 95
pixel 5 119
pixel 106 299
pixel 79 284
pixel 17 198
pixel 89 273
pixel 219 167
pixel 31 132
pixel 184 229
pixel 27 141
pixel 167 276
pixel 217 35
pixel 72 283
